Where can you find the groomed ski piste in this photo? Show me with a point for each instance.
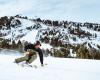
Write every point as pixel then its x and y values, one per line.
pixel 57 68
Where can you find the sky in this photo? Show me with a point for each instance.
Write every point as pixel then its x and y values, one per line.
pixel 72 10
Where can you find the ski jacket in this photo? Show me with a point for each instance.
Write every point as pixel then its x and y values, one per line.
pixel 40 53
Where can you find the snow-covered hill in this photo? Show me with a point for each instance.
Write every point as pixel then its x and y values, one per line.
pixel 57 69
pixel 15 33
pixel 68 34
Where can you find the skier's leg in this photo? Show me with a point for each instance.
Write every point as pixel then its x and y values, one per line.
pixel 33 57
pixel 21 59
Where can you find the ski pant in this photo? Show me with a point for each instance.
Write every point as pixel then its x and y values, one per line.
pixel 28 57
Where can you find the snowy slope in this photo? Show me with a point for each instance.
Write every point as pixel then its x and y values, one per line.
pixel 25 29
pixel 69 32
pixel 57 69
pixel 30 37
pixel 33 35
pixel 15 33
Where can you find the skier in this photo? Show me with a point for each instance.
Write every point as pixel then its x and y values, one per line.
pixel 31 53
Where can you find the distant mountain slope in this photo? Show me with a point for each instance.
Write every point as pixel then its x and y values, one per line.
pixel 58 34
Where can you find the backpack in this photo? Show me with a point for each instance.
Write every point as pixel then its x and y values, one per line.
pixel 29 46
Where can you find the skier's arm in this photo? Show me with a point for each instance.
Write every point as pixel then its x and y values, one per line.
pixel 40 55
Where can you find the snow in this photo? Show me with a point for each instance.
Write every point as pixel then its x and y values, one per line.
pixel 45 46
pixel 26 23
pixel 57 69
pixel 30 37
pixel 35 34
pixel 16 32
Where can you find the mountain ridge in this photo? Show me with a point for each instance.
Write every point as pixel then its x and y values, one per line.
pixel 59 34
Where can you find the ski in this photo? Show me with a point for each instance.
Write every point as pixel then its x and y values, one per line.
pixel 23 64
